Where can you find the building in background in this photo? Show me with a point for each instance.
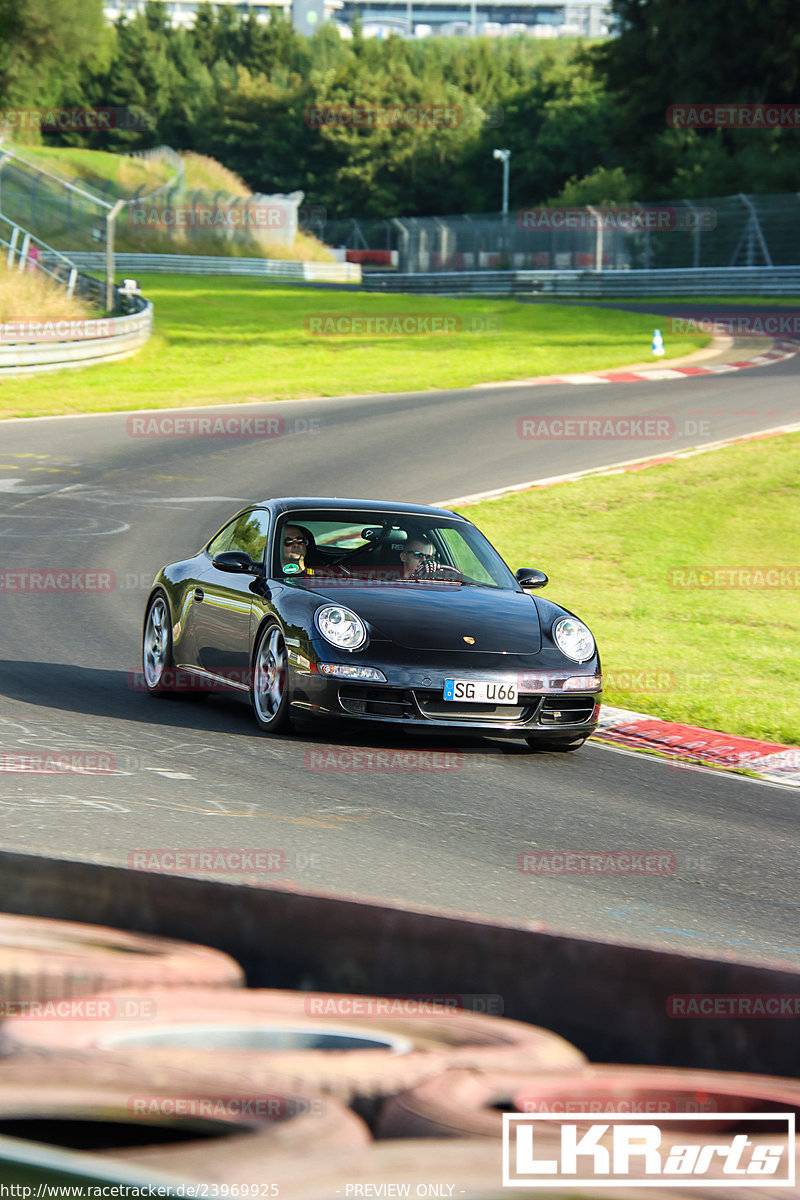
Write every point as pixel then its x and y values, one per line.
pixel 412 18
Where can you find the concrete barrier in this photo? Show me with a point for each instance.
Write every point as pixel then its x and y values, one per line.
pixel 610 1000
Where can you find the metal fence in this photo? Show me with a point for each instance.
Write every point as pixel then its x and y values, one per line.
pixel 64 214
pixel 217 264
pixel 24 252
pixel 728 231
pixel 71 215
pixel 690 282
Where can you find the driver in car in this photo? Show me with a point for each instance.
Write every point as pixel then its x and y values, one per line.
pixel 417 558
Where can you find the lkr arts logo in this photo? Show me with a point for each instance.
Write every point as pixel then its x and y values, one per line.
pixel 546 1150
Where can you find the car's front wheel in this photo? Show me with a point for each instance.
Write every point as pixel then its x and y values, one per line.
pixel 269 690
pixel 559 745
pixel 157 646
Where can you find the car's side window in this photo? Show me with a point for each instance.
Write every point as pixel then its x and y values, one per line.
pixel 464 558
pixel 222 541
pixel 250 534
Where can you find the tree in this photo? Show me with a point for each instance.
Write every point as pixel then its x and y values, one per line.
pixel 708 52
pixel 44 46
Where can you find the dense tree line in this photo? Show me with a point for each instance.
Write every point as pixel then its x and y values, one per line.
pixel 584 123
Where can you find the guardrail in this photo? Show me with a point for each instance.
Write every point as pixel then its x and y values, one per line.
pixel 195 264
pixel 28 348
pixel 684 281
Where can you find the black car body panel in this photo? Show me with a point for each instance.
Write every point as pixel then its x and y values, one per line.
pixel 417 636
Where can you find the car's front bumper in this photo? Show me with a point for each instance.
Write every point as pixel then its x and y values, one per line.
pixel 414 697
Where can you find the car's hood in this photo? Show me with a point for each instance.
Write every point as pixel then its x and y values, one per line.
pixel 428 616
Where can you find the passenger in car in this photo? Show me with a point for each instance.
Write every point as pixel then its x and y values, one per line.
pixel 296 542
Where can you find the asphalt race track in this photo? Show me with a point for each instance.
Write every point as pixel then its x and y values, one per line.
pixel 179 774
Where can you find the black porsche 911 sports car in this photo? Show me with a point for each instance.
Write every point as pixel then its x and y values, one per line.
pixel 380 612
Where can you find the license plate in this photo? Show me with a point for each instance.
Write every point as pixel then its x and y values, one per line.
pixel 480 691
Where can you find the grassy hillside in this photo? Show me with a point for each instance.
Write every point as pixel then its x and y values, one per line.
pixel 115 175
pixel 71 224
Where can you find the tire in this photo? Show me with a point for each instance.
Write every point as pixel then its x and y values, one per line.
pixel 42 959
pixel 116 1107
pixel 269 689
pixel 157 661
pixel 556 745
pixel 361 1059
pixel 471 1103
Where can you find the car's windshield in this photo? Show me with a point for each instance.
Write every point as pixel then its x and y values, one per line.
pixel 317 547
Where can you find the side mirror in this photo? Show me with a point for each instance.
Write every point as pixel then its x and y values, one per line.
pixel 529 578
pixel 237 563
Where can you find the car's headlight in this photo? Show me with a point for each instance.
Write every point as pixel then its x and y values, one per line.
pixel 341 627
pixel 573 639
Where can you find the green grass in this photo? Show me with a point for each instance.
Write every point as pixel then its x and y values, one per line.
pixel 119 176
pixel 223 341
pixel 99 167
pixel 721 657
pixel 206 173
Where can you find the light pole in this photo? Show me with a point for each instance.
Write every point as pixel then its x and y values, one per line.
pixel 504 156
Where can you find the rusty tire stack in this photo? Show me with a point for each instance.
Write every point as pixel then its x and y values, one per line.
pixel 309 1037
pixel 151 1054
pixel 42 959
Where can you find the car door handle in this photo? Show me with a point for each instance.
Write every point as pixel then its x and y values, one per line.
pixel 199 593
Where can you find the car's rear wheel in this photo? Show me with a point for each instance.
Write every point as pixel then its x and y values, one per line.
pixel 557 745
pixel 157 646
pixel 269 690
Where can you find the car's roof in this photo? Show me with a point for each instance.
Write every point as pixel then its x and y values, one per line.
pixel 289 503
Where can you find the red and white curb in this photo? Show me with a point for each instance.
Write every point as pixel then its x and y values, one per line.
pixel 780 350
pixel 687 746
